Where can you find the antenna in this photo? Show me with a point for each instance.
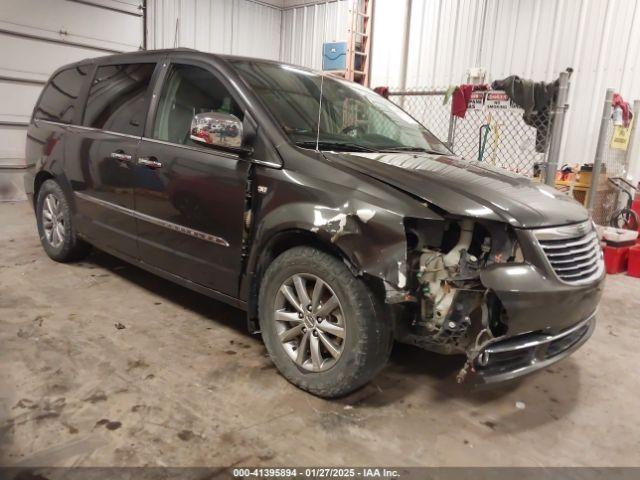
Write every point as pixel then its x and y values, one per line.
pixel 324 39
pixel 177 34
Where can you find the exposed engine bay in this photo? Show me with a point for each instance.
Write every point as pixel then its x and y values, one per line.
pixel 453 312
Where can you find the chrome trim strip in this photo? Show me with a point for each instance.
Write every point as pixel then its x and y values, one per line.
pixel 536 364
pixel 592 268
pixel 575 243
pixel 210 151
pixel 565 231
pixel 70 126
pixel 514 344
pixel 573 251
pixel 189 147
pixel 583 267
pixel 590 255
pixel 154 220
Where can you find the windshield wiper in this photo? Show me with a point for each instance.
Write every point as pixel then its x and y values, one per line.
pixel 411 149
pixel 338 146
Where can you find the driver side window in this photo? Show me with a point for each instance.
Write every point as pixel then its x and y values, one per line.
pixel 187 91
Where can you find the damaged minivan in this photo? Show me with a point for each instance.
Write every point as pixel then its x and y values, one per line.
pixel 337 221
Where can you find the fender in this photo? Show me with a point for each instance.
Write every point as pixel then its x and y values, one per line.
pixel 45 144
pixel 370 236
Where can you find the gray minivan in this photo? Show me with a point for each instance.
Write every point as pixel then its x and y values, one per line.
pixel 338 222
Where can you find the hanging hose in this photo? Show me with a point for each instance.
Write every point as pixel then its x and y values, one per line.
pixel 482 140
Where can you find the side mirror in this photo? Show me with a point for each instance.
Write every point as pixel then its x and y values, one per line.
pixel 216 129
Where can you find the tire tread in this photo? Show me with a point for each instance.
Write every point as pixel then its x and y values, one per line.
pixel 374 328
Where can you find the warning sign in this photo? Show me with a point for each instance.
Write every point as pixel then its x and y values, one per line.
pixel 477 101
pixel 497 100
pixel 620 137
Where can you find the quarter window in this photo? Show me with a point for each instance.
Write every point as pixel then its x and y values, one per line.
pixel 187 91
pixel 59 97
pixel 118 98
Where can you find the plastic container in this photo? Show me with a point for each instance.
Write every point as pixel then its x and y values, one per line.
pixel 619 235
pixel 616 259
pixel 633 269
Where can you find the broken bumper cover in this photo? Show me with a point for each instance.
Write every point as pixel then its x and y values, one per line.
pixel 514 357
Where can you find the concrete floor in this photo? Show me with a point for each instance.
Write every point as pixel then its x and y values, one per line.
pixel 183 384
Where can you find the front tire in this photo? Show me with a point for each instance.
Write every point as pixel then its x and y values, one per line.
pixel 324 329
pixel 57 233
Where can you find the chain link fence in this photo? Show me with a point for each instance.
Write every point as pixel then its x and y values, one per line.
pixel 494 129
pixel 607 198
pixel 612 161
pixel 428 107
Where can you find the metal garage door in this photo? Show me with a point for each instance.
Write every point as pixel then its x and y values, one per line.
pixel 36 37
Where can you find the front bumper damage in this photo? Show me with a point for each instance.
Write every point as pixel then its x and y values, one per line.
pixel 510 314
pixel 511 358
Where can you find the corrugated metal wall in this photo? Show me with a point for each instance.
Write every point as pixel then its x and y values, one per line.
pixel 237 27
pixel 291 31
pixel 303 31
pixel 531 38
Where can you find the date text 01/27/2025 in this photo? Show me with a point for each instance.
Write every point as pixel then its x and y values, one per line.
pixel 316 472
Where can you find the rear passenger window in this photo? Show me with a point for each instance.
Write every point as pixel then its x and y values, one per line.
pixel 118 98
pixel 59 97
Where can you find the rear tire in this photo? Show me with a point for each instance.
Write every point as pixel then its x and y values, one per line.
pixel 55 225
pixel 345 325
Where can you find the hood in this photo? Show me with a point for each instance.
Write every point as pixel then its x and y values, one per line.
pixel 467 188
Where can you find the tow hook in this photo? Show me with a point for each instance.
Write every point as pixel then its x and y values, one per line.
pixel 477 352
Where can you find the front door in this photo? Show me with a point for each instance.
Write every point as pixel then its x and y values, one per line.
pixel 100 155
pixel 190 198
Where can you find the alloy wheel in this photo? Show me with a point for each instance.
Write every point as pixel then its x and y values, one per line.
pixel 53 220
pixel 310 322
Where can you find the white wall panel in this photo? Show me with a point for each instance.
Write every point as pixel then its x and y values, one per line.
pixel 33 59
pixel 535 39
pixel 237 27
pixel 76 22
pixel 18 100
pixel 36 38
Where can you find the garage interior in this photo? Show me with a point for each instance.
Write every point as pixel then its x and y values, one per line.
pixel 104 364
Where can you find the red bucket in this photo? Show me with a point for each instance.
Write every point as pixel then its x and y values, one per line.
pixel 616 259
pixel 634 262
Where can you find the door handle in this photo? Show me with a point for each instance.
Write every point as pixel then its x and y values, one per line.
pixel 120 155
pixel 151 162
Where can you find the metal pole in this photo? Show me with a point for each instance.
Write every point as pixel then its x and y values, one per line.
pixel 452 128
pixel 559 110
pixel 405 51
pixel 602 144
pixel 632 138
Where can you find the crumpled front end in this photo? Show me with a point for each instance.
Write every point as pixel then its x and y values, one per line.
pixel 512 300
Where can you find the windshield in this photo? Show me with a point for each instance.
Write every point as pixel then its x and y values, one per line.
pixel 353 118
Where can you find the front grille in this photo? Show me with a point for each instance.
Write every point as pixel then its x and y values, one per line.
pixel 573 252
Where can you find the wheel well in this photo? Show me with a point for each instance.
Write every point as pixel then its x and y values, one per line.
pixel 41 177
pixel 277 245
